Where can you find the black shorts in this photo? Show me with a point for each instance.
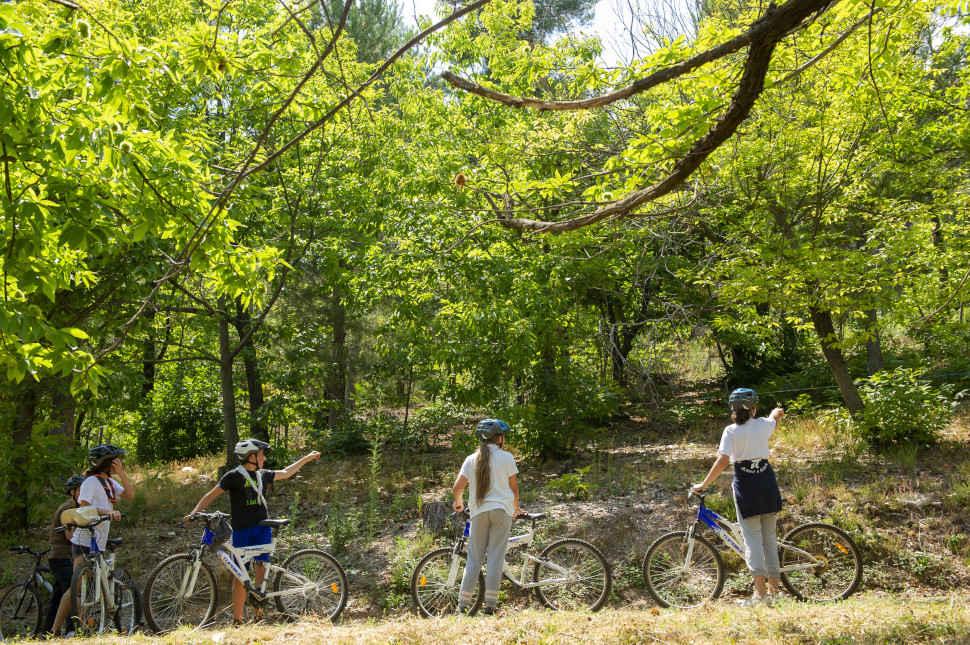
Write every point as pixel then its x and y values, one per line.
pixel 62 569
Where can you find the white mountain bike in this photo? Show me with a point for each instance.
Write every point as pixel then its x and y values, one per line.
pixel 567 574
pixel 182 589
pixel 819 562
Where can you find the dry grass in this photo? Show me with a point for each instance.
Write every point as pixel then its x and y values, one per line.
pixel 872 618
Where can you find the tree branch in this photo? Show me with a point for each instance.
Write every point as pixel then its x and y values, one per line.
pixel 763 36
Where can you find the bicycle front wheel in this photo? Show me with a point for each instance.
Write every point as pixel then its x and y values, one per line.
pixel 20 613
pixel 436 584
pixel 312 582
pixel 820 562
pixel 573 575
pixel 90 609
pixel 172 600
pixel 675 580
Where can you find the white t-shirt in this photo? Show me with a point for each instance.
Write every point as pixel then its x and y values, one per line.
pixel 747 441
pixel 499 495
pixel 93 492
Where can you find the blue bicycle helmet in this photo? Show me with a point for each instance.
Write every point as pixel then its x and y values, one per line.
pixel 743 398
pixel 488 428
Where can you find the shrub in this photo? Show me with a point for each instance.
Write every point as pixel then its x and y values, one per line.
pixel 902 409
pixel 572 485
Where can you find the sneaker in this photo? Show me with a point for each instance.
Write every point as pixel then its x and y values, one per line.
pixel 488 611
pixel 753 601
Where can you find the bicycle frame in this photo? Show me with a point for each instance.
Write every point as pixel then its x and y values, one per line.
pixel 104 586
pixel 515 541
pixel 236 559
pixel 730 534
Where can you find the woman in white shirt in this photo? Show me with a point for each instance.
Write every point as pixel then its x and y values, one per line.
pixel 490 474
pixel 757 498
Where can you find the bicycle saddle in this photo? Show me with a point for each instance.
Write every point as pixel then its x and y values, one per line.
pixel 275 523
pixel 114 543
pixel 532 516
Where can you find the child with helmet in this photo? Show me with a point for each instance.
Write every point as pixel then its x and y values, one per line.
pixel 490 474
pixel 59 557
pixel 757 499
pixel 247 485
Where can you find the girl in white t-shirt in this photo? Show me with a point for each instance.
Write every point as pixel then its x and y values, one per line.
pixel 757 498
pixel 493 501
pixel 105 482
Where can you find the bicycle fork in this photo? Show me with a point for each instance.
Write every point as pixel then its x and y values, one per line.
pixel 190 576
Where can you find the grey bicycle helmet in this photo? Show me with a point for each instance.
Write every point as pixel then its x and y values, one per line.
pixel 488 428
pixel 743 398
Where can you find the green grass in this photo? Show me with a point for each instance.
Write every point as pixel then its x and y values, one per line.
pixel 867 618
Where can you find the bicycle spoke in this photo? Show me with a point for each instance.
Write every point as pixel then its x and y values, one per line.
pixel 835 566
pixel 572 575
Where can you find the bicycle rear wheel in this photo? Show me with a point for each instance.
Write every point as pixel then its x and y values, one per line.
pixel 89 606
pixel 673 580
pixel 314 583
pixel 127 599
pixel 20 613
pixel 436 584
pixel 572 575
pixel 168 604
pixel 823 560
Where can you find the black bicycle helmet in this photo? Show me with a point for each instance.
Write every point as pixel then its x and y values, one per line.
pixel 99 454
pixel 488 428
pixel 743 398
pixel 74 481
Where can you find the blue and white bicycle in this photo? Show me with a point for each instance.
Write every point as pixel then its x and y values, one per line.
pixel 182 589
pixel 819 562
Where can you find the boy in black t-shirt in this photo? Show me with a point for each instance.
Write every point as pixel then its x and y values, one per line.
pixel 247 486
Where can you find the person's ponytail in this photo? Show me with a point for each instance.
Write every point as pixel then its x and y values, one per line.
pixel 740 416
pixel 483 471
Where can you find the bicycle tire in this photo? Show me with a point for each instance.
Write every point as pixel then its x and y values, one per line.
pixel 654 555
pixel 573 543
pixel 30 625
pixel 334 583
pixel 128 615
pixel 156 587
pixel 429 568
pixel 846 548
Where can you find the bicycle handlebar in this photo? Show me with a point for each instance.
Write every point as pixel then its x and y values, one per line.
pixel 26 550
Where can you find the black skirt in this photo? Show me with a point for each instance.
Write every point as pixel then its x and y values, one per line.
pixel 755 488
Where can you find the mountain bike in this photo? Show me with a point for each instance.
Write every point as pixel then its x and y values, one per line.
pixel 21 612
pixel 819 562
pixel 182 589
pixel 568 574
pixel 105 598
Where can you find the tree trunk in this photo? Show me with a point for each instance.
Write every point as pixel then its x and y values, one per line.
pixel 230 426
pixel 874 361
pixel 17 515
pixel 254 384
pixel 64 408
pixel 336 386
pixel 822 322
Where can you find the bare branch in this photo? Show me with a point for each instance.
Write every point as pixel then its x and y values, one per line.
pixel 762 29
pixel 763 36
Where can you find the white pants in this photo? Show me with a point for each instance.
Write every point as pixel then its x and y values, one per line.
pixel 488 539
pixel 761 544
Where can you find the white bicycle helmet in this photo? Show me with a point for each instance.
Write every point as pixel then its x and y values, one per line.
pixel 247 447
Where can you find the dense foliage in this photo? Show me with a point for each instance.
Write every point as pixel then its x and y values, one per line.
pixel 223 219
